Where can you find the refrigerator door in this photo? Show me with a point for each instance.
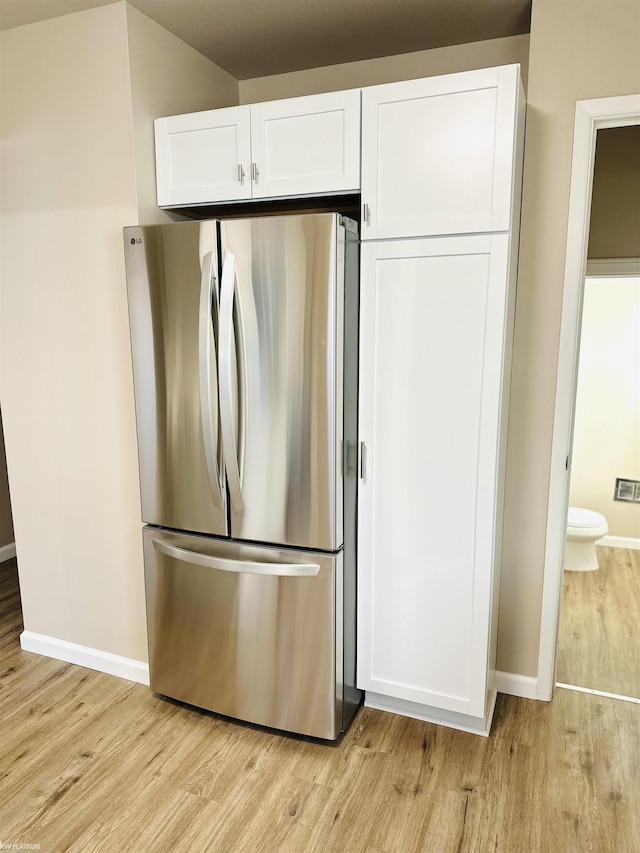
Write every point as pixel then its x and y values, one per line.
pixel 173 298
pixel 245 631
pixel 281 377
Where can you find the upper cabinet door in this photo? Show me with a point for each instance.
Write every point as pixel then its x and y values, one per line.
pixel 439 154
pixel 203 157
pixel 307 145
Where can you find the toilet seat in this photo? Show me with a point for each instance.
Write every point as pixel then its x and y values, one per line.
pixel 585 524
pixel 578 517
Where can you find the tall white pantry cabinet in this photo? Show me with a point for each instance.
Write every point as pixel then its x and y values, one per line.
pixel 441 181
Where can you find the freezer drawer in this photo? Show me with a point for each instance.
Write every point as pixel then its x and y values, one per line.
pixel 248 632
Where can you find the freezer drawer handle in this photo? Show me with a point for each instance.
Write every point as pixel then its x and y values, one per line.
pixel 289 570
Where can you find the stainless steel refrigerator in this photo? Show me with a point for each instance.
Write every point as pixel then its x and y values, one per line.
pixel 244 342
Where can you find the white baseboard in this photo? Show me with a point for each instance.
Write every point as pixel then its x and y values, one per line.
pixel 512 684
pixel 132 670
pixel 620 542
pixel 7 552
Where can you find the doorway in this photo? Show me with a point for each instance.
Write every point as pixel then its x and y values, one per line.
pixel 598 644
pixel 591 117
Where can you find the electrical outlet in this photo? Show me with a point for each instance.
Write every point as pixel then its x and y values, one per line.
pixel 627 490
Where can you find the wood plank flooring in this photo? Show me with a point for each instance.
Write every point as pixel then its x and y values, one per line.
pixel 599 636
pixel 89 762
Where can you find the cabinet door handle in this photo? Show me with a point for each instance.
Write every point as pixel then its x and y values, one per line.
pixel 366 213
pixel 240 173
pixel 363 461
pixel 254 172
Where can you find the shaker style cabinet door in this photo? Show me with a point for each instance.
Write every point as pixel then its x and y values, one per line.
pixel 438 154
pixel 432 343
pixel 203 157
pixel 306 145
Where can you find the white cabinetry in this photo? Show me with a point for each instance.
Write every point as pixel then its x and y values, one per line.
pixel 436 318
pixel 201 157
pixel 432 336
pixel 307 145
pixel 438 154
pixel 297 146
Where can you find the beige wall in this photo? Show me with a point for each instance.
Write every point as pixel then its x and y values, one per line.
pixel 606 438
pixel 579 49
pixel 615 207
pixel 72 121
pixel 389 69
pixel 68 187
pixel 6 521
pixel 167 78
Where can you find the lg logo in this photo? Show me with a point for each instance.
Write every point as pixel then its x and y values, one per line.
pixel 135 240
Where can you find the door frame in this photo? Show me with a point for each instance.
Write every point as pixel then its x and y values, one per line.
pixel 590 116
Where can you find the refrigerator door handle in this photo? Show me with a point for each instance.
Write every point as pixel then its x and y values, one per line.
pixel 231 454
pixel 289 570
pixel 208 414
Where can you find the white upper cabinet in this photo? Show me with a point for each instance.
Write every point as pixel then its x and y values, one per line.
pixel 203 157
pixel 438 154
pixel 298 146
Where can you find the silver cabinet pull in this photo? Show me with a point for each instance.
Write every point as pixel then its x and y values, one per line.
pixel 254 172
pixel 366 213
pixel 208 411
pixel 240 173
pixel 363 462
pixel 239 566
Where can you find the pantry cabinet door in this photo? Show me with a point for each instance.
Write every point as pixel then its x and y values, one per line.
pixel 203 157
pixel 432 343
pixel 307 145
pixel 438 154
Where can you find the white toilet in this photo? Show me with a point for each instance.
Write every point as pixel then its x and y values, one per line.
pixel 584 528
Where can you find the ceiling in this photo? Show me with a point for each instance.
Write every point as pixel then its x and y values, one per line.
pixel 255 38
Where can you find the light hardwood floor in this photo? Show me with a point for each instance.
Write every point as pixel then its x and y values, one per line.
pixel 89 762
pixel 599 636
